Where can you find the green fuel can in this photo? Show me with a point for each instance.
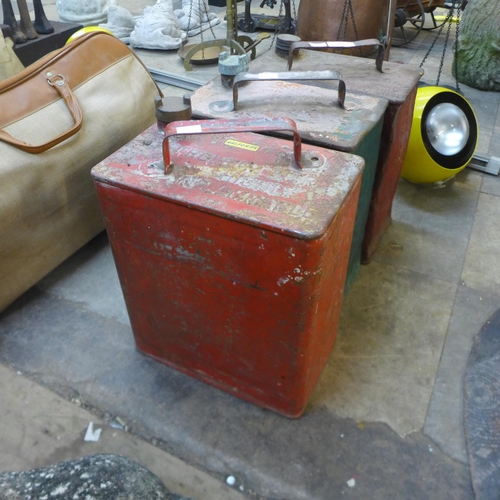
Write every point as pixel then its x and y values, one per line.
pixel 333 119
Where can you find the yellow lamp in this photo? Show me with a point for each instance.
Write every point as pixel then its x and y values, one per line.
pixel 443 136
pixel 84 31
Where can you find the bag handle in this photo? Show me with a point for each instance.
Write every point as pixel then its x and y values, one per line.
pixel 260 125
pixel 58 82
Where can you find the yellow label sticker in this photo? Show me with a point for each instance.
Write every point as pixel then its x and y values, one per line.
pixel 241 145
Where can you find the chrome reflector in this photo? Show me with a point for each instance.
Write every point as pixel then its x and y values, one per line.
pixel 447 129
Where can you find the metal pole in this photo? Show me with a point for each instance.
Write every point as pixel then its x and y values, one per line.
pixel 231 18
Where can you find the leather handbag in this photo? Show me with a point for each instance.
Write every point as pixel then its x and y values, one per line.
pixel 58 118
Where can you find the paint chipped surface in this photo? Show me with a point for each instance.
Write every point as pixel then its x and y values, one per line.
pixel 360 74
pixel 314 109
pixel 264 188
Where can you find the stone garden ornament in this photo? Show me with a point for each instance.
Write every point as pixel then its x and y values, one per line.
pixel 158 28
pixel 194 17
pixel 477 58
pixel 85 12
pixel 120 22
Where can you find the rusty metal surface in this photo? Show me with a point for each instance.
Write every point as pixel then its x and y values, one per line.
pixel 290 76
pixel 360 74
pixel 326 20
pixel 241 175
pixel 372 42
pixel 395 134
pixel 398 84
pixel 314 109
pixel 197 127
pixel 233 264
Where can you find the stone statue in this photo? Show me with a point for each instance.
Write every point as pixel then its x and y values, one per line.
pixel 120 22
pixel 195 17
pixel 23 30
pixel 477 59
pixel 85 12
pixel 158 28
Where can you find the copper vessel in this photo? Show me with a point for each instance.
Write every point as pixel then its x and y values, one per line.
pixel 330 20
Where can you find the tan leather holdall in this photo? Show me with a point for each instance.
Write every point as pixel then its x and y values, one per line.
pixel 58 118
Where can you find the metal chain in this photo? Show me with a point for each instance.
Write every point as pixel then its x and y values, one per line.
pixel 276 29
pixel 205 5
pixel 355 27
pixel 190 15
pixel 205 8
pixel 448 31
pixel 346 12
pixel 448 20
pixel 344 33
pixel 343 20
pixel 353 20
pixel 294 11
pixel 457 33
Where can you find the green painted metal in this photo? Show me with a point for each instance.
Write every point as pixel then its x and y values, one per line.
pixel 321 121
pixel 368 149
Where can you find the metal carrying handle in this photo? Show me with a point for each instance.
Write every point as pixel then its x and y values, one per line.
pixel 290 76
pixel 371 42
pixel 193 127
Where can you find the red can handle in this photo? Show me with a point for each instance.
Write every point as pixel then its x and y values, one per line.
pixel 371 42
pixel 193 127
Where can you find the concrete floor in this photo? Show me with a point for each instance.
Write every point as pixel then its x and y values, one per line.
pixel 387 411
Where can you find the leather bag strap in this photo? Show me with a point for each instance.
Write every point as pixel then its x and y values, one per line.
pixel 58 82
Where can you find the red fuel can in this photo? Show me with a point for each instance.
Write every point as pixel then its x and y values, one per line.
pixel 232 252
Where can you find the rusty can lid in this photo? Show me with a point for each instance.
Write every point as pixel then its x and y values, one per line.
pixel 320 120
pixel 247 177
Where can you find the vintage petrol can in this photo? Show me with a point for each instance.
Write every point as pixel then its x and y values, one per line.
pixel 395 82
pixel 324 117
pixel 231 258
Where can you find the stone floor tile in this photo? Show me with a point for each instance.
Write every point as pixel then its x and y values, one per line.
pixel 430 230
pixel 481 98
pixel 468 179
pixel 385 360
pixel 482 263
pixel 486 110
pixel 491 184
pixel 494 149
pixel 444 422
pixel 483 143
pixel 90 276
pixel 81 355
pixel 496 129
pixel 40 429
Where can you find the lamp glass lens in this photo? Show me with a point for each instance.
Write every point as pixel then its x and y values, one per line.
pixel 447 129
